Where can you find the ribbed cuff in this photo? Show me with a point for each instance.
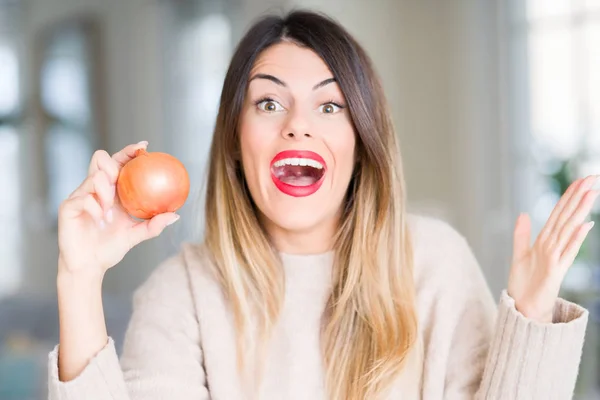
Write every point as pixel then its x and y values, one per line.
pixel 533 360
pixel 101 379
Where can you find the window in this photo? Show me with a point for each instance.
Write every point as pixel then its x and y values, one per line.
pixel 10 109
pixel 10 267
pixel 66 83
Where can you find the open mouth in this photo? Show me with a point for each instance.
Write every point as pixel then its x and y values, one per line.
pixel 298 173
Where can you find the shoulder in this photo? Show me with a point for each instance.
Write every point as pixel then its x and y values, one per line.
pixel 443 259
pixel 450 286
pixel 171 280
pixel 436 241
pixel 426 230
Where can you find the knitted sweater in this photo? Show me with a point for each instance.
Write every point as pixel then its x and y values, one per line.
pixel 180 343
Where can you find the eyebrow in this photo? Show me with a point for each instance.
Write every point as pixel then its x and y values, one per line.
pixel 324 83
pixel 269 78
pixel 283 84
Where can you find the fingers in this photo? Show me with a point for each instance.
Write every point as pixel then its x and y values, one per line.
pixel 150 228
pixel 128 153
pixel 558 209
pixel 576 219
pixel 74 207
pixel 99 185
pixel 522 237
pixel 569 208
pixel 103 173
pixel 101 161
pixel 577 239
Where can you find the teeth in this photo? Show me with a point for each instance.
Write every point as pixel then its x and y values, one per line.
pixel 299 161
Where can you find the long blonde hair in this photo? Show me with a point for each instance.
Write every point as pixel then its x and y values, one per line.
pixel 370 324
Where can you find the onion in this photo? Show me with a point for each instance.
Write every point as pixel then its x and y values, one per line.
pixel 152 183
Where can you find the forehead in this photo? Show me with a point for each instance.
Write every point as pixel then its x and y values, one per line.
pixel 290 62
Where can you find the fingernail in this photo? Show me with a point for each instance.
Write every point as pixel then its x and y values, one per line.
pixel 109 216
pixel 175 219
pixel 591 224
pixel 143 143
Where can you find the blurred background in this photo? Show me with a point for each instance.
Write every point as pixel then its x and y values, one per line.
pixel 497 105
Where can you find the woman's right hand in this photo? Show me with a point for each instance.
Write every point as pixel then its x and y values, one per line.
pixel 94 231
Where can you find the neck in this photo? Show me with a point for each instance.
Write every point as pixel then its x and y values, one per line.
pixel 314 240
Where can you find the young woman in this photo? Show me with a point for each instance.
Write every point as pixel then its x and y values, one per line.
pixel 312 282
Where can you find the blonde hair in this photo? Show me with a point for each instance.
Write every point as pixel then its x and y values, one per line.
pixel 370 325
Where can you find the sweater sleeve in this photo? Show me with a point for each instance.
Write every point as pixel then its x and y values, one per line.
pixel 532 360
pixel 162 357
pixel 497 353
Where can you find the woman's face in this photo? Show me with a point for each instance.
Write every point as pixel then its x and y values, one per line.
pixel 297 144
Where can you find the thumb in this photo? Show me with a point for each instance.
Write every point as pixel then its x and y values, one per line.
pixel 522 237
pixel 151 228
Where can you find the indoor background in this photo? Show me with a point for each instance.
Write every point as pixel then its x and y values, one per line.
pixel 496 103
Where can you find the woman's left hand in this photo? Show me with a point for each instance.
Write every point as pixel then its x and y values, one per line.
pixel 537 271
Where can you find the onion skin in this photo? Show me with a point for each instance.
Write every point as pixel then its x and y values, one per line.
pixel 151 184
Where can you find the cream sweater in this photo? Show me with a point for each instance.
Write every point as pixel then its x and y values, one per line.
pixel 180 341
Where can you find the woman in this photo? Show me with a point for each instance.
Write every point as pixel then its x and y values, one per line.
pixel 313 282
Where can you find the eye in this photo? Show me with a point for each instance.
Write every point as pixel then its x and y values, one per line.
pixel 330 108
pixel 269 105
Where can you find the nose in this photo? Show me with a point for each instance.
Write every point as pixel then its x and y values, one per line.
pixel 296 127
pixel 293 135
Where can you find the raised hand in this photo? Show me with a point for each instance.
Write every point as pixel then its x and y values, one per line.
pixel 537 271
pixel 94 232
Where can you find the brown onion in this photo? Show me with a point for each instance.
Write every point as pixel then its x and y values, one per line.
pixel 152 183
